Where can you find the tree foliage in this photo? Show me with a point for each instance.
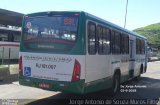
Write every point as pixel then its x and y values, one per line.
pixel 152 32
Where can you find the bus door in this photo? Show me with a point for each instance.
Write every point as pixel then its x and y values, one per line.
pixel 131 58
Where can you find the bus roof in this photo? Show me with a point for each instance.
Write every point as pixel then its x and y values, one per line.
pixel 10 18
pixel 93 17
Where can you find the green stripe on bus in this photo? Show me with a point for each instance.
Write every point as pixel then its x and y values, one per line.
pixel 113 62
pixel 132 60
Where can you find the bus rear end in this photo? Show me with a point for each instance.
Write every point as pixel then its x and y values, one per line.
pixel 52 54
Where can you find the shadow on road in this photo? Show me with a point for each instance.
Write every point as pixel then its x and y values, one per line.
pixel 147 89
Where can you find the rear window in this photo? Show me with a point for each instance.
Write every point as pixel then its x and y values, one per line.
pixel 56 33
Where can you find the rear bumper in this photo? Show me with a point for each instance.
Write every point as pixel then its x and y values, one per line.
pixel 63 86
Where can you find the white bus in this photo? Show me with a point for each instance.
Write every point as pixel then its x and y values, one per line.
pixel 77 52
pixel 9 45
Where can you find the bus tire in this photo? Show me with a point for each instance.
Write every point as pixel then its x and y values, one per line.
pixel 145 69
pixel 141 69
pixel 115 85
pixel 139 76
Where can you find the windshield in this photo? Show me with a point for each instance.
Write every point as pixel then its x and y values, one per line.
pixel 50 33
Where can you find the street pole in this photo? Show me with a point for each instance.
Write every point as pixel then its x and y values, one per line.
pixel 126 14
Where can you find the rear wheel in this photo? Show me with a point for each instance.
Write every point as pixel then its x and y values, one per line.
pixel 116 84
pixel 139 76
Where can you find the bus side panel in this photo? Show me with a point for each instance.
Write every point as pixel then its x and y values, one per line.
pixel 121 62
pixel 98 72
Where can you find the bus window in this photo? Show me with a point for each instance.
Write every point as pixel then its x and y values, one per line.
pixel 100 39
pixel 55 33
pixel 91 38
pixel 115 42
pixel 143 46
pixel 10 37
pixel 103 40
pixel 126 44
pixel 3 36
pixel 16 37
pixel 122 43
pixel 106 41
pixel 138 46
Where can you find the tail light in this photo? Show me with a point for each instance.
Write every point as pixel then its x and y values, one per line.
pixel 76 71
pixel 20 65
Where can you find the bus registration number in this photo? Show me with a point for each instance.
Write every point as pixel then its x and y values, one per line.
pixel 45 66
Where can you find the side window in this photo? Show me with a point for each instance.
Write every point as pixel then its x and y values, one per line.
pixel 113 42
pixel 117 43
pixel 126 44
pixel 103 40
pixel 123 43
pixel 10 37
pixel 106 41
pixel 138 46
pixel 100 39
pixel 4 36
pixel 143 46
pixel 16 38
pixel 91 38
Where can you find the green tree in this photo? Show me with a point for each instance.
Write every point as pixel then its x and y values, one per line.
pixel 151 32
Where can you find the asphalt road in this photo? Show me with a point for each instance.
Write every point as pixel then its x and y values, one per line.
pixel 146 91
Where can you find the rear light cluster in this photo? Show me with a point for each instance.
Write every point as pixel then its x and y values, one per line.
pixel 44 85
pixel 20 65
pixel 76 71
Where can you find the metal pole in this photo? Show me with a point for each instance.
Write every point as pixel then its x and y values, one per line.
pixel 126 14
pixel 9 57
pixel 2 55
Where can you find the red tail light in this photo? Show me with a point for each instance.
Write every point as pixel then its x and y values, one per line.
pixel 76 71
pixel 20 64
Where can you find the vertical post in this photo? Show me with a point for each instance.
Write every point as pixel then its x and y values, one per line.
pixel 9 58
pixel 2 54
pixel 126 14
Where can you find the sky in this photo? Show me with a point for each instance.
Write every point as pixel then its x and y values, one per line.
pixel 140 12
